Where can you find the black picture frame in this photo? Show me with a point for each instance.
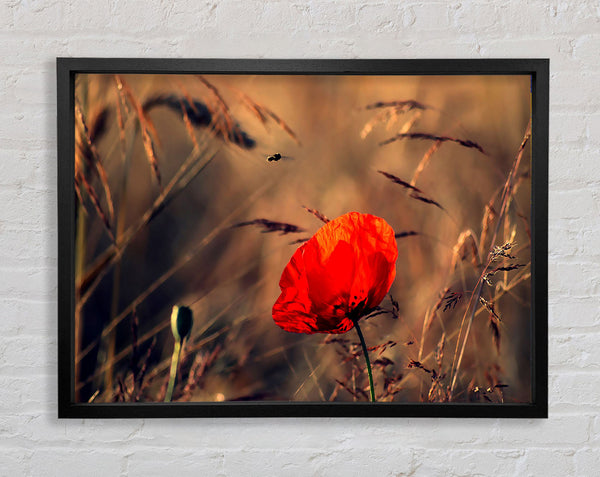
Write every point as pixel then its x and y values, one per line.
pixel 67 68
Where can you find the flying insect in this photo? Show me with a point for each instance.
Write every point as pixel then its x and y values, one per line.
pixel 276 157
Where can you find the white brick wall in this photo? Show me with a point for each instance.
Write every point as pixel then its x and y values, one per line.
pixel 33 33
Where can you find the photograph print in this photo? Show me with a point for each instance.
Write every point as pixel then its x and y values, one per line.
pixel 302 238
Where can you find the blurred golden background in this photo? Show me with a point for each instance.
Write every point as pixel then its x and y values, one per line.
pixel 167 165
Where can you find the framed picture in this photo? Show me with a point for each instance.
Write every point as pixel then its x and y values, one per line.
pixel 302 237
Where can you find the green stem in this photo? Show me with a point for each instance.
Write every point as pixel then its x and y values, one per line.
pixel 366 353
pixel 174 366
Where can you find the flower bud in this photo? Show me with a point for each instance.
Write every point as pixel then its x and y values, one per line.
pixel 181 322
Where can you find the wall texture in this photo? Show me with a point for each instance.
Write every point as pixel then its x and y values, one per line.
pixel 34 442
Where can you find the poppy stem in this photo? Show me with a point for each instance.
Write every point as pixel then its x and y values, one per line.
pixel 366 353
pixel 173 374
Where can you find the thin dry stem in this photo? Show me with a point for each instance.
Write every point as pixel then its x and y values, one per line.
pixel 323 218
pixel 477 291
pixel 149 134
pixel 424 162
pixel 432 137
pixel 94 163
pixel 413 192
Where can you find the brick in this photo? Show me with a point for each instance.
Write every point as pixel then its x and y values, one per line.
pixel 574 430
pixel 18 50
pixel 379 18
pixel 466 462
pixel 552 18
pixel 27 207
pixel 558 49
pixel 585 48
pixel 89 16
pixel 379 461
pixel 130 17
pixel 572 279
pixel 370 459
pixel 593 130
pixel 595 431
pixel 473 16
pixel 575 17
pixel 585 96
pixel 567 127
pixel 587 461
pixel 439 432
pixel 23 429
pixel 335 434
pixel 15 461
pixel 24 126
pixel 575 351
pixel 104 432
pixel 547 462
pixel 38 316
pixel 565 241
pixel 28 355
pixel 27 283
pixel 66 460
pixel 574 166
pixel 238 16
pixel 45 15
pixel 575 389
pixel 591 242
pixel 574 312
pixel 432 16
pixel 128 46
pixel 198 13
pixel 30 169
pixel 188 462
pixel 332 16
pixel 28 247
pixel 35 87
pixel 21 395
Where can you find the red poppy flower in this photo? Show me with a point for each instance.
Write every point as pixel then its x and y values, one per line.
pixel 338 276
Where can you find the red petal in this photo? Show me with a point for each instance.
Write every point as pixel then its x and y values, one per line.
pixel 291 311
pixel 351 260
